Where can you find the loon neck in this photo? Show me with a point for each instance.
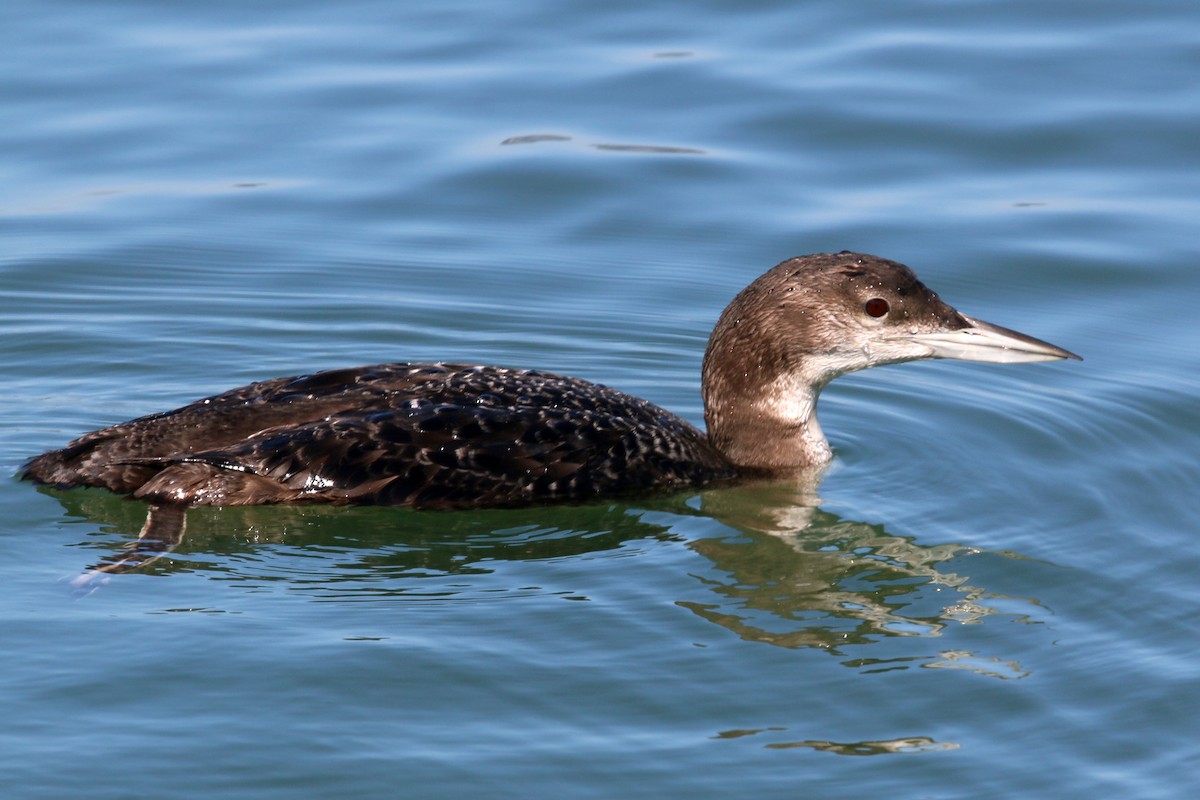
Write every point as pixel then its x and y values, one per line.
pixel 760 391
pixel 768 424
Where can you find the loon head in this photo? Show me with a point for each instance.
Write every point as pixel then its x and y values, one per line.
pixel 813 318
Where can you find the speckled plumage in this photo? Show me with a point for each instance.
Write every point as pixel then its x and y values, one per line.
pixel 425 435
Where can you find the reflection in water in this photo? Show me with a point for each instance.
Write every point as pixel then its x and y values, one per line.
pixel 911 744
pixel 803 577
pixel 907 745
pixel 782 571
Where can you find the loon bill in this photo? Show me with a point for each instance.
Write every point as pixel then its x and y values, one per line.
pixel 462 436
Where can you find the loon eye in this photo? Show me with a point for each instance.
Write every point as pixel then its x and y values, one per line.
pixel 876 307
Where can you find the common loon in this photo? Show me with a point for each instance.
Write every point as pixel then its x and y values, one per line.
pixel 460 436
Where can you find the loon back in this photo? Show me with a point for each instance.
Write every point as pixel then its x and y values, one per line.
pixel 424 435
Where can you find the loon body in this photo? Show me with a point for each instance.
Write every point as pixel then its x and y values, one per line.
pixel 462 436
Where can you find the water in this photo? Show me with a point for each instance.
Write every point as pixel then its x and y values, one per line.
pixel 994 597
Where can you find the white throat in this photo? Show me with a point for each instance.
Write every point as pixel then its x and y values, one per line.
pixel 791 402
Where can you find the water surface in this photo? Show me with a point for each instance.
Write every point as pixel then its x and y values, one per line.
pixel 993 593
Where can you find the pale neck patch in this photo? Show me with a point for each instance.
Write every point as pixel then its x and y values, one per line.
pixel 791 401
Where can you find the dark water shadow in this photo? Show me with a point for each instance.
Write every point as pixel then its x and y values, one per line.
pixel 780 570
pixel 611 147
pixel 388 549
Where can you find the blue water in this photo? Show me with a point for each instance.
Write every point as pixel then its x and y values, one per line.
pixel 993 596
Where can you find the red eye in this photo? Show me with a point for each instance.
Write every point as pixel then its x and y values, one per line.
pixel 876 307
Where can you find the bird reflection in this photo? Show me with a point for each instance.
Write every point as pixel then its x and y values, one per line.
pixel 854 578
pixel 780 570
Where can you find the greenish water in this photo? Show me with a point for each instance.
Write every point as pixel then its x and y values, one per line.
pixel 993 596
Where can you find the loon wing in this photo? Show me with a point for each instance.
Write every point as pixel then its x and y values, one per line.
pixel 430 455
